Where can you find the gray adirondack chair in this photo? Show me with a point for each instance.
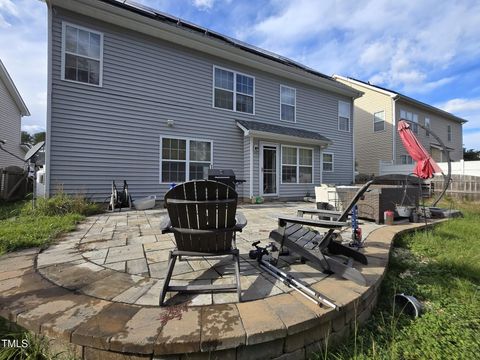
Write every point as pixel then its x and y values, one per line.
pixel 202 215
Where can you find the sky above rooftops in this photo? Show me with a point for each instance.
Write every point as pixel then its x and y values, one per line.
pixel 428 50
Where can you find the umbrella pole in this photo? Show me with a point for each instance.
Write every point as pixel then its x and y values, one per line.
pixel 446 178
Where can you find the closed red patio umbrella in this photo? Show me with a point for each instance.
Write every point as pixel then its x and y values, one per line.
pixel 426 166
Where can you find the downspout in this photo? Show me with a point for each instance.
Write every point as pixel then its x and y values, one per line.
pixel 251 167
pixel 48 137
pixel 394 130
pixel 353 140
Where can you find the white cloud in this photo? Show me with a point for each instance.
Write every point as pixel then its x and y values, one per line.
pixel 461 105
pixel 32 129
pixel 25 57
pixel 398 43
pixel 203 4
pixel 471 140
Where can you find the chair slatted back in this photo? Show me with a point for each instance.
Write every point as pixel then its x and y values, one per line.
pixel 202 205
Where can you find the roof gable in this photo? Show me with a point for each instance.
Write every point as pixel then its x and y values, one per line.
pixel 12 89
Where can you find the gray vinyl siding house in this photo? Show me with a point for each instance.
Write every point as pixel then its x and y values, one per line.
pixel 12 108
pixel 149 110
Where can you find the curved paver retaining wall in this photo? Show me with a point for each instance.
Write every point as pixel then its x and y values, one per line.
pixel 285 326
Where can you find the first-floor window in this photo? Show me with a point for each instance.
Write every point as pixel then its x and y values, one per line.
pixel 297 165
pixel 406 159
pixel 185 159
pixel 327 162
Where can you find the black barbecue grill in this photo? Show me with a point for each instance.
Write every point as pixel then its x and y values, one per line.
pixel 226 176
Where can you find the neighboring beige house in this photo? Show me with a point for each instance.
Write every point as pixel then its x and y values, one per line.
pixel 12 108
pixel 376 115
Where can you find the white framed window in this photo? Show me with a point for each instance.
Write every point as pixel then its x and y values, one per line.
pixel 82 55
pixel 427 125
pixel 327 162
pixel 288 101
pixel 297 165
pixel 406 159
pixel 379 121
pixel 449 132
pixel 233 90
pixel 183 159
pixel 407 115
pixel 343 116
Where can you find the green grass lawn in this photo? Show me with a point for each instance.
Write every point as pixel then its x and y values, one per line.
pixel 22 227
pixel 441 268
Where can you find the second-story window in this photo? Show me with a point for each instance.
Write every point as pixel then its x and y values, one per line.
pixel 449 132
pixel 379 121
pixel 82 55
pixel 427 125
pixel 406 160
pixel 233 91
pixel 343 116
pixel 412 117
pixel 287 103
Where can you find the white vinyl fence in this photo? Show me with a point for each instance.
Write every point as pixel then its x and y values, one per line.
pixel 471 168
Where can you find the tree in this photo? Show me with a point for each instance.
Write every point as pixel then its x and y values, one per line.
pixel 471 154
pixel 38 137
pixel 32 139
pixel 26 138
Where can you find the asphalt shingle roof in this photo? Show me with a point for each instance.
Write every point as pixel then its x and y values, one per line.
pixel 282 130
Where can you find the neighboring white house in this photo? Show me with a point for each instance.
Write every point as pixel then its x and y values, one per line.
pixel 12 108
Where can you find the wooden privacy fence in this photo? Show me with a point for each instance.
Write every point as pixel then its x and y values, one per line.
pixel 461 186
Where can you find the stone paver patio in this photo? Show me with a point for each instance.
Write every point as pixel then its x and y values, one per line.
pixel 97 291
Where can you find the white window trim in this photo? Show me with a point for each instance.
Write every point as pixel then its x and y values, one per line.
pixel 449 133
pixel 234 90
pixel 187 155
pixel 349 116
pixel 100 79
pixel 333 161
pixel 294 105
pixel 373 125
pixel 297 165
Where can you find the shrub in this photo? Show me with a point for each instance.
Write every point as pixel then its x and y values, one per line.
pixel 62 204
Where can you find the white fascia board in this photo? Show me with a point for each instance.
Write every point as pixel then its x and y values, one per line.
pixel 130 20
pixel 370 87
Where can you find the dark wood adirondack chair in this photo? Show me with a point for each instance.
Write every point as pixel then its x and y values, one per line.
pixel 202 215
pixel 296 234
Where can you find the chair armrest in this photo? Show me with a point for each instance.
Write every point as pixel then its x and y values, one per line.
pixel 241 221
pixel 282 220
pixel 320 212
pixel 165 224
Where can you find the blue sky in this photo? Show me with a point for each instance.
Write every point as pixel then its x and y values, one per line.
pixel 426 49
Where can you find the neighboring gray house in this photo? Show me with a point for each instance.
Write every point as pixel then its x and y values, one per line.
pixel 139 95
pixel 12 108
